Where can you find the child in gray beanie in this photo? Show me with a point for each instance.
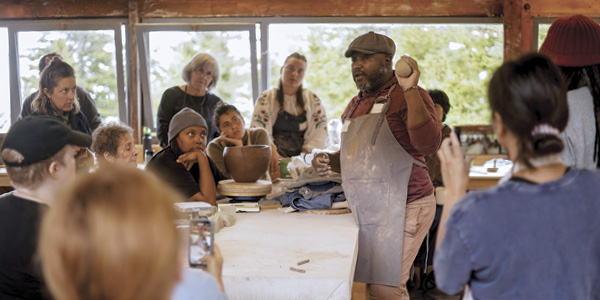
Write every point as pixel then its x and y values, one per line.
pixel 183 163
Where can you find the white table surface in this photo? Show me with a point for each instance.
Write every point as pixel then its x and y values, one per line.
pixel 261 247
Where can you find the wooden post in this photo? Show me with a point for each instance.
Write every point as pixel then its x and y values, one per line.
pixel 133 90
pixel 518 28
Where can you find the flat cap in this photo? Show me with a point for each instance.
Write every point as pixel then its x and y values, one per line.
pixel 371 43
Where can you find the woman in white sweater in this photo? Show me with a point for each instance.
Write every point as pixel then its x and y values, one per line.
pixel 293 116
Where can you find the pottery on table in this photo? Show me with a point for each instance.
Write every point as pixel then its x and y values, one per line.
pixel 247 163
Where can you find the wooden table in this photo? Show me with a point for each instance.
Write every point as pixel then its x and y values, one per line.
pixel 260 248
pixel 479 178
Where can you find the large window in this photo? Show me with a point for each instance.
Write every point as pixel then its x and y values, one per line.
pixel 90 53
pixel 94 49
pixel 456 58
pixel 168 48
pixel 4 82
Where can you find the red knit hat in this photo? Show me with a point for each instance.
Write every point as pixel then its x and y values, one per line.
pixel 573 42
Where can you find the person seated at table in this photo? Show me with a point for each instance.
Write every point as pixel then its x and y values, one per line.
pixel 88 106
pixel 293 116
pixel 112 235
pixel 424 258
pixel 39 155
pixel 233 133
pixel 113 144
pixel 200 74
pixel 183 163
pixel 537 235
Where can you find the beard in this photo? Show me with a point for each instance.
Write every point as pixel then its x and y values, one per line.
pixel 374 79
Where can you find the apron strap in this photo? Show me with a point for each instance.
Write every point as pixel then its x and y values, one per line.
pixel 419 163
pixel 381 118
pixel 382 114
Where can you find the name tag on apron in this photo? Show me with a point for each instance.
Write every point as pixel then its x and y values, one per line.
pixel 346 125
pixel 377 108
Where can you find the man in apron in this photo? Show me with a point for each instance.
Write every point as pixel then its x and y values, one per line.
pixel 388 128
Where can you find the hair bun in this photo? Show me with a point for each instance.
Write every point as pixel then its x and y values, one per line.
pixel 56 60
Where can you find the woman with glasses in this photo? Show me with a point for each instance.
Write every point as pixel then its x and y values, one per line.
pixel 200 74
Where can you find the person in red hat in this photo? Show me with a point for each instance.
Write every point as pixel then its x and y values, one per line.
pixel 573 43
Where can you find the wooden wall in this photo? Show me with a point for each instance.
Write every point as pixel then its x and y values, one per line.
pixel 518 15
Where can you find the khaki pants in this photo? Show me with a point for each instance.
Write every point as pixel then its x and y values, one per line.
pixel 418 219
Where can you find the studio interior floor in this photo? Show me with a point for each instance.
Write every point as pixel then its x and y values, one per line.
pixel 359 293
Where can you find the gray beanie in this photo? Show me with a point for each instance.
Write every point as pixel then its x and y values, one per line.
pixel 183 119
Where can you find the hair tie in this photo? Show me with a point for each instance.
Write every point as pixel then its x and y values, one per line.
pixel 546 129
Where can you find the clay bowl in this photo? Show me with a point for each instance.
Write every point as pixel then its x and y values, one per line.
pixel 247 163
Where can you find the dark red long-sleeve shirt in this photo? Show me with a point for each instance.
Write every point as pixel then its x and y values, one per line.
pixel 418 141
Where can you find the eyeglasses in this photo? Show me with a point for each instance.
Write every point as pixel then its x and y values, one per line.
pixel 202 73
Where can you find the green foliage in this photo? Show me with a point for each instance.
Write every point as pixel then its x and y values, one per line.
pixel 234 83
pixel 91 54
pixel 458 59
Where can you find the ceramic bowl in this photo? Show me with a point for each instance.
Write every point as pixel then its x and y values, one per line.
pixel 247 163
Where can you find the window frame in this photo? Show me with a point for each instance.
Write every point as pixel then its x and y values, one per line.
pixel 16 27
pixel 264 22
pixel 142 32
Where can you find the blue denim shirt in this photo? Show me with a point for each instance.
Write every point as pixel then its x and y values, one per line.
pixel 521 240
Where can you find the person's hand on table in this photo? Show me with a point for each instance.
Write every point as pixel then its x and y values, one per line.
pixel 321 164
pixel 214 265
pixel 454 167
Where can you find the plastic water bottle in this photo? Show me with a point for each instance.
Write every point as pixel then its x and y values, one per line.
pixel 147 144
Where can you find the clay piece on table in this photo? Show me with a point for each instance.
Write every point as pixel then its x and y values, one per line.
pixel 247 163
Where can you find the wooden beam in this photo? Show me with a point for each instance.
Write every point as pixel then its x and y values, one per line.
pixel 135 101
pixel 518 28
pixel 306 8
pixel 564 8
pixel 35 9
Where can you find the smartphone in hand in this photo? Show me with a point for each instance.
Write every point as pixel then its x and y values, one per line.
pixel 201 241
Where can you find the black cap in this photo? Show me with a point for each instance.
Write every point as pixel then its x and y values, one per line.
pixel 39 137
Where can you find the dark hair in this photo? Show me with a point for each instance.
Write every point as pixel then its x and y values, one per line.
pixel 589 76
pixel 54 71
pixel 221 109
pixel 526 92
pixel 42 63
pixel 299 100
pixel 440 98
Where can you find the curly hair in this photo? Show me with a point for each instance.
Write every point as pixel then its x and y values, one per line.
pixel 105 139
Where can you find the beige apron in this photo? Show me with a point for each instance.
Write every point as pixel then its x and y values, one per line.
pixel 375 174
